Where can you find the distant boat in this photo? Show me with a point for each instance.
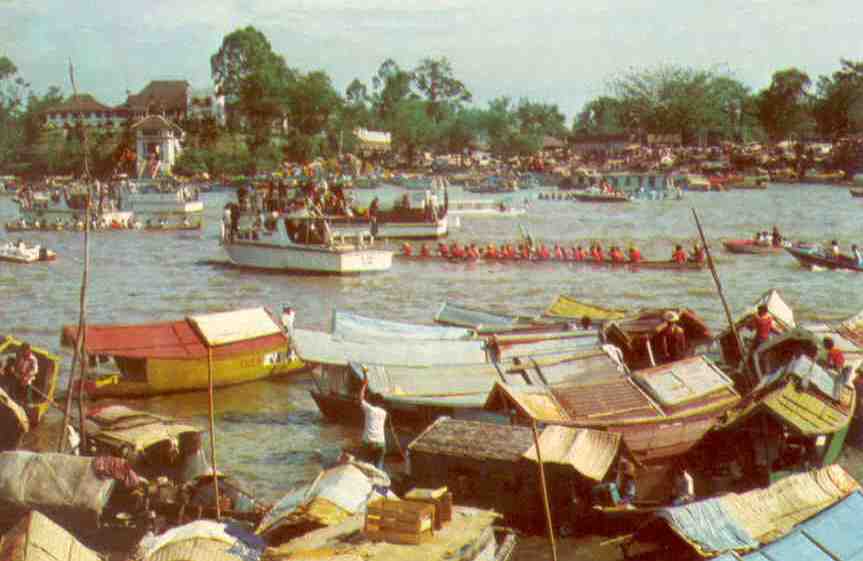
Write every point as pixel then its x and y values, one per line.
pixel 480 207
pixel 22 253
pixel 166 208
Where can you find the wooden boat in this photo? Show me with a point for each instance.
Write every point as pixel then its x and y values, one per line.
pixel 587 264
pixel 35 535
pixel 597 196
pixel 304 245
pixel 857 193
pixel 751 247
pixel 814 258
pixel 635 335
pixel 14 423
pixel 750 182
pixel 175 356
pixel 45 383
pixel 568 307
pixel 23 254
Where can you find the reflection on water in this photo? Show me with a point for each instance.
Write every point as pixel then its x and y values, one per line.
pixel 270 434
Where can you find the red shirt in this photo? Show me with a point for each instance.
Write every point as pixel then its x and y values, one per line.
pixel 407 250
pixel 579 255
pixel 634 255
pixel 444 251
pixel 558 253
pixel 597 254
pixel 424 251
pixel 763 326
pixel 835 359
pixel 679 256
pixel 617 256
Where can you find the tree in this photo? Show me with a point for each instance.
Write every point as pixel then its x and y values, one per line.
pixel 838 104
pixel 602 115
pixel 254 79
pixel 540 119
pixel 392 85
pixel 434 79
pixel 412 128
pixel 783 108
pixel 312 101
pixel 12 88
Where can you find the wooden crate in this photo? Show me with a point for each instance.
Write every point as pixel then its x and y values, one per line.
pixel 441 499
pixel 404 522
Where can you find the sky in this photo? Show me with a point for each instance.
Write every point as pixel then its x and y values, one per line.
pixel 563 52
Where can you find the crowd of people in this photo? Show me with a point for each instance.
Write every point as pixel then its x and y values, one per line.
pixel 527 250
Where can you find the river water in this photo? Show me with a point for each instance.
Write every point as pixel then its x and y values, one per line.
pixel 270 434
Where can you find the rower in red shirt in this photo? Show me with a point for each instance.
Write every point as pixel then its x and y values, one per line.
pixel 491 251
pixel 457 251
pixel 835 357
pixel 407 250
pixel 472 253
pixel 679 255
pixel 634 255
pixel 543 252
pixel 525 252
pixel 443 249
pixel 559 253
pixel 617 255
pixel 425 251
pixel 579 254
pixel 596 253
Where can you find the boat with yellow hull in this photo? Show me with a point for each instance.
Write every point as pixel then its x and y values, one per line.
pixel 177 356
pixel 17 417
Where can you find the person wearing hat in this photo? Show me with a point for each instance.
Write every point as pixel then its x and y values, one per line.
pixel 679 255
pixel 671 339
pixel 698 255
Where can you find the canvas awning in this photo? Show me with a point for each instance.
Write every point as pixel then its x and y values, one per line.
pixel 180 339
pixel 38 538
pixel 322 348
pixel 740 522
pixel 589 452
pixel 568 307
pixel 349 326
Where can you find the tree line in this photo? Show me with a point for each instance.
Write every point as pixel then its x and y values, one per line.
pixel 276 112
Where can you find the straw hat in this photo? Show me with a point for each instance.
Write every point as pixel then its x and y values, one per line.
pixel 670 316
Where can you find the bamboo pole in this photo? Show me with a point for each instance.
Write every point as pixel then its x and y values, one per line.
pixel 544 488
pixel 213 433
pixel 718 284
pixel 82 310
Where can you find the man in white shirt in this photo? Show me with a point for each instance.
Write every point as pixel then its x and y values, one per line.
pixel 374 429
pixel 288 316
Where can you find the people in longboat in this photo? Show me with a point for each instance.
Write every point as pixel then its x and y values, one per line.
pixel 407 250
pixel 679 255
pixel 443 250
pixel 776 237
pixel 559 254
pixel 579 254
pixel 543 253
pixel 472 252
pixel 425 251
pixel 698 255
pixel 596 253
pixel 763 325
pixel 490 251
pixel 457 251
pixel 634 254
pixel 525 252
pixel 834 249
pixel 617 255
pixel 858 255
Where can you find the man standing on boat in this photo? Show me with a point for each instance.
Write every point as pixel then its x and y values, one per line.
pixel 374 425
pixel 26 368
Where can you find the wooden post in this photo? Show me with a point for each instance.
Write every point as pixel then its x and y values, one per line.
pixel 213 434
pixel 80 339
pixel 719 286
pixel 544 488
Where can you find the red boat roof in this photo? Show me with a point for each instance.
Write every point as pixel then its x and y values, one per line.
pixel 165 340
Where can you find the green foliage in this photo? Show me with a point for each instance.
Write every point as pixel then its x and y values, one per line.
pixel 12 88
pixel 435 80
pixel 783 108
pixel 412 128
pixel 838 104
pixel 603 115
pixel 392 86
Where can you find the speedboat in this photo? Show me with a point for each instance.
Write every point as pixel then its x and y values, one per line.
pixel 19 252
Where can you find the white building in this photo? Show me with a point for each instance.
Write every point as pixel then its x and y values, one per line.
pixel 158 145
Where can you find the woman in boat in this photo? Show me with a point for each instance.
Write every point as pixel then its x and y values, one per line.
pixel 679 255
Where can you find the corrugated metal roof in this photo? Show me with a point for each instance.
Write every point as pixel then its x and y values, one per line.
pixel 321 347
pixel 805 411
pixel 349 326
pixel 682 381
pixel 604 401
pixel 571 308
pixel 589 452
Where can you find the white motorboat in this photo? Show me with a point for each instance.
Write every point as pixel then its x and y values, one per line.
pixel 303 245
pixel 483 207
pixel 19 252
pixel 173 208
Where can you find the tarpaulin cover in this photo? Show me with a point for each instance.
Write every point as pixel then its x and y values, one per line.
pixel 38 538
pixel 164 340
pixel 683 380
pixel 590 452
pixel 454 314
pixel 321 347
pixel 235 326
pixel 346 487
pixel 202 540
pixel 710 526
pixel 570 308
pixel 16 410
pixel 353 327
pixel 53 482
pixel 743 521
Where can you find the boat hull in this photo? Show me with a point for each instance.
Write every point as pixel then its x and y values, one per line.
pixel 808 259
pixel 46 378
pixel 165 376
pixel 749 247
pixel 307 259
pixel 689 266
